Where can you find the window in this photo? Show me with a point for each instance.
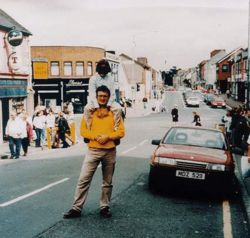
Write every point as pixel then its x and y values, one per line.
pixel 79 68
pixel 225 68
pixel 67 68
pixel 90 68
pixel 54 68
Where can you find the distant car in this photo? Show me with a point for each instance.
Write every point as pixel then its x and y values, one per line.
pixel 181 88
pixel 218 102
pixel 193 101
pixel 208 98
pixel 192 156
pixel 187 94
pixel 198 94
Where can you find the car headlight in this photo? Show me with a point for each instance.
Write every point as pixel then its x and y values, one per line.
pixel 169 161
pixel 218 167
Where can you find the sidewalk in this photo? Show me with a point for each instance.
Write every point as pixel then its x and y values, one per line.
pixel 5 151
pixel 240 167
pixel 231 102
pixel 137 109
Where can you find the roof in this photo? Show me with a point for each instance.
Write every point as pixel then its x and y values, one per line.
pixel 229 55
pixel 7 23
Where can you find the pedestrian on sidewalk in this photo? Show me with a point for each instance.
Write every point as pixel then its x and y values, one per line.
pixel 101 149
pixel 145 102
pixel 197 119
pixel 228 93
pixel 14 132
pixel 175 114
pixel 27 133
pixel 39 125
pixel 63 128
pixel 227 119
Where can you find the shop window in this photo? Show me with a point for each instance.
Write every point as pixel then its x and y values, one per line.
pixel 90 68
pixel 54 68
pixel 67 69
pixel 79 68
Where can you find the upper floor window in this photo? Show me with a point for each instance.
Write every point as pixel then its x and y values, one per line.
pixel 54 68
pixel 67 69
pixel 225 68
pixel 90 68
pixel 79 68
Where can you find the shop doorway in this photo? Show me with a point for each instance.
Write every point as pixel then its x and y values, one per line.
pixel 5 114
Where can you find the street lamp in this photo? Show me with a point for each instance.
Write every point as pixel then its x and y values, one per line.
pixel 248 58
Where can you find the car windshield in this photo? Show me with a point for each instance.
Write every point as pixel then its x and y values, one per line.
pixel 195 137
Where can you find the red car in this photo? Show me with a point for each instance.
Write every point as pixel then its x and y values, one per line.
pixel 218 102
pixel 192 156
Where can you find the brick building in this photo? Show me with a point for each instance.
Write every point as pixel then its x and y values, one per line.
pixel 223 70
pixel 61 74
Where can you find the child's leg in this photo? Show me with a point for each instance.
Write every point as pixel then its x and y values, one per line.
pixel 117 111
pixel 88 110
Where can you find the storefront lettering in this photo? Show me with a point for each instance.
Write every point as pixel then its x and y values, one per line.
pixel 74 83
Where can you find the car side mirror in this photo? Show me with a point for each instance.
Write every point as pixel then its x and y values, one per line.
pixel 156 142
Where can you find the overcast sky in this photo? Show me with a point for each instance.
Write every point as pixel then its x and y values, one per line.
pixel 180 33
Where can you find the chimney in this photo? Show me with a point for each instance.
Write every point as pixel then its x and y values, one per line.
pixel 215 52
pixel 142 60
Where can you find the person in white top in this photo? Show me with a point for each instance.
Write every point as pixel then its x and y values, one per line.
pixel 14 130
pixel 102 78
pixel 39 125
pixel 50 119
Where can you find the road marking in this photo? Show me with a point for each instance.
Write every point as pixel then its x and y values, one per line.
pixel 143 142
pixel 32 193
pixel 227 227
pixel 126 151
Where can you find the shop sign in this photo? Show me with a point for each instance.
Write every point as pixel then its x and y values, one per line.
pixel 15 37
pixel 75 83
pixel 40 70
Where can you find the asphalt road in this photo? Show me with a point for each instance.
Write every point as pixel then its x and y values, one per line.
pixel 35 192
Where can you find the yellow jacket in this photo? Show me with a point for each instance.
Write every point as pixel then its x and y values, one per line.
pixel 99 126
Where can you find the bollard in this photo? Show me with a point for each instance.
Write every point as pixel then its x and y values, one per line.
pixel 48 133
pixel 220 127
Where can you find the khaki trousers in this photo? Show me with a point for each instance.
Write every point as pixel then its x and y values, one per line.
pixel 92 159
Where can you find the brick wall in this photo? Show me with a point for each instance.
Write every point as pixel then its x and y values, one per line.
pixel 68 54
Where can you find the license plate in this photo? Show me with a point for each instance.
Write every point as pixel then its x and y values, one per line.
pixel 189 174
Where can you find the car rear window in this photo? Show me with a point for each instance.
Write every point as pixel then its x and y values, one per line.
pixel 195 137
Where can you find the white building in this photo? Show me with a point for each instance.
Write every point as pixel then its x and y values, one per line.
pixel 210 68
pixel 15 71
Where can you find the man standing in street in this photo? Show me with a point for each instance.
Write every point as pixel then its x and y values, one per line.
pixel 14 131
pixel 101 148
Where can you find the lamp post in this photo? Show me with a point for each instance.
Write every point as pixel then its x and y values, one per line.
pixel 248 58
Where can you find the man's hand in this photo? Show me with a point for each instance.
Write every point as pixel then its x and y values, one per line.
pixel 102 139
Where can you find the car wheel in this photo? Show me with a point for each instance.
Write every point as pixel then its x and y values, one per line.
pixel 152 181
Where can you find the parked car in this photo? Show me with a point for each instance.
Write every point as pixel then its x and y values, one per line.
pixel 218 102
pixel 199 94
pixel 192 156
pixel 187 94
pixel 193 101
pixel 208 98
